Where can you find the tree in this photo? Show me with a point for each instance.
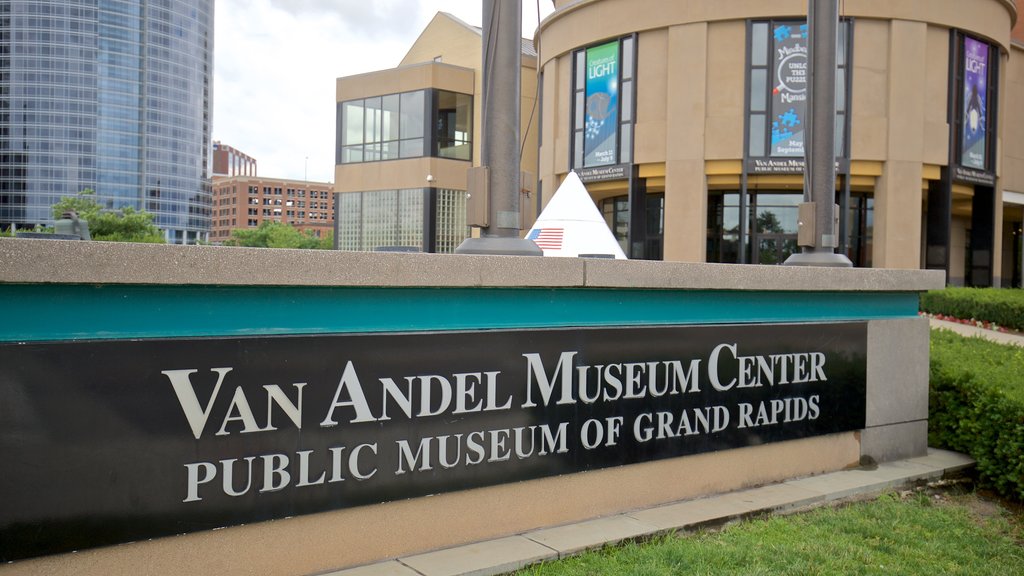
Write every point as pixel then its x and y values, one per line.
pixel 768 222
pixel 277 235
pixel 124 225
pixel 327 241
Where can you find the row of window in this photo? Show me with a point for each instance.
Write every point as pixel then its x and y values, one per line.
pixel 394 219
pixel 277 202
pixel 603 88
pixel 290 192
pixel 407 125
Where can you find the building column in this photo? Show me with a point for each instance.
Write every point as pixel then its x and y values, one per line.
pixel 686 199
pixel 898 196
pixel 686 211
pixel 898 201
pixel 997 235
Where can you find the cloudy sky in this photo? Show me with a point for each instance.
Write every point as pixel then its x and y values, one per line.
pixel 276 61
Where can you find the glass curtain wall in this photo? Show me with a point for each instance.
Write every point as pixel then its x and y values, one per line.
pixel 109 95
pixel 394 126
pixel 394 219
pixel 450 215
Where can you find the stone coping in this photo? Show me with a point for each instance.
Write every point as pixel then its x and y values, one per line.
pixel 75 262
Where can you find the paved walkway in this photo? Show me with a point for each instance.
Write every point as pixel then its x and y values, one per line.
pixel 967 330
pixel 507 554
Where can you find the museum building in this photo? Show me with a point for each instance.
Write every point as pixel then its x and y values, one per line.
pixel 407 136
pixel 685 120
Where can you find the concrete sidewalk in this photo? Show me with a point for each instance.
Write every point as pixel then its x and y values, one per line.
pixel 972 331
pixel 514 552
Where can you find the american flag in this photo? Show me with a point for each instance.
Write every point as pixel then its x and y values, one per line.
pixel 546 238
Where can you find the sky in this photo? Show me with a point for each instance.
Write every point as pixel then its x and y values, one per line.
pixel 276 62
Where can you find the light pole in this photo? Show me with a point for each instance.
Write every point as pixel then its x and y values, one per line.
pixel 818 234
pixel 499 132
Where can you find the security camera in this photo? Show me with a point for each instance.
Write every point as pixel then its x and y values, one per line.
pixel 430 177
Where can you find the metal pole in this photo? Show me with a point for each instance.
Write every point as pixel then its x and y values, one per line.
pixel 819 142
pixel 499 146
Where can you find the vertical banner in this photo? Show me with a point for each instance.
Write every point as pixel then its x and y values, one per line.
pixel 602 105
pixel 975 105
pixel 789 89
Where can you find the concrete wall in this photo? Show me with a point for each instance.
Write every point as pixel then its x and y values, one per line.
pixel 896 420
pixel 1012 157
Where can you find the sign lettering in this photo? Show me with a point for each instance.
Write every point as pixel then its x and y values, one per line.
pixel 154 437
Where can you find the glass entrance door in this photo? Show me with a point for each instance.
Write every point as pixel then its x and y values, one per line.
pixel 775 226
pixel 775 248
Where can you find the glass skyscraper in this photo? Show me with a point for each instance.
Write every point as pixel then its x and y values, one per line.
pixel 110 95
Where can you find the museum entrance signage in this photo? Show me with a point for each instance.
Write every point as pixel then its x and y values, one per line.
pixel 604 173
pixel 121 440
pixel 788 166
pixel 971 176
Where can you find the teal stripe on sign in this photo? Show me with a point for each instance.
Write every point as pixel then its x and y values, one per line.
pixel 71 311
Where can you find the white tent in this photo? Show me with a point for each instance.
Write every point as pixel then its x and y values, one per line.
pixel 572 226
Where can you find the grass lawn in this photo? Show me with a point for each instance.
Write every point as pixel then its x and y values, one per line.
pixel 925 532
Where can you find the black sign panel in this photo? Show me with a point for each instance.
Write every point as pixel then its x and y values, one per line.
pixel 788 165
pixel 113 441
pixel 603 173
pixel 972 176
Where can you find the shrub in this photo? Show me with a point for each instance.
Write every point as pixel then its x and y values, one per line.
pixel 1004 307
pixel 976 406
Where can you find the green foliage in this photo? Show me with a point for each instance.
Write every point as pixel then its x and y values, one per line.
pixel 84 203
pixel 327 241
pixel 1001 306
pixel 8 233
pixel 277 235
pixel 885 536
pixel 125 225
pixel 976 406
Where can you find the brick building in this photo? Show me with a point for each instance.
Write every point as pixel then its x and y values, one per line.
pixel 241 202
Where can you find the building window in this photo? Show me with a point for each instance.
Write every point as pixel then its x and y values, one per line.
pixel 616 215
pixel 382 128
pixel 451 228
pixel 603 110
pixel 453 136
pixel 862 226
pixel 392 219
pixel 395 126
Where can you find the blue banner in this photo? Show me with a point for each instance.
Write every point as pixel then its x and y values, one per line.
pixel 602 106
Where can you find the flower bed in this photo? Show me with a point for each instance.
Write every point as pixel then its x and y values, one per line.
pixel 992 308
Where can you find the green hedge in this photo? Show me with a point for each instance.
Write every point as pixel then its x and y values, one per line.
pixel 976 406
pixel 1004 307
